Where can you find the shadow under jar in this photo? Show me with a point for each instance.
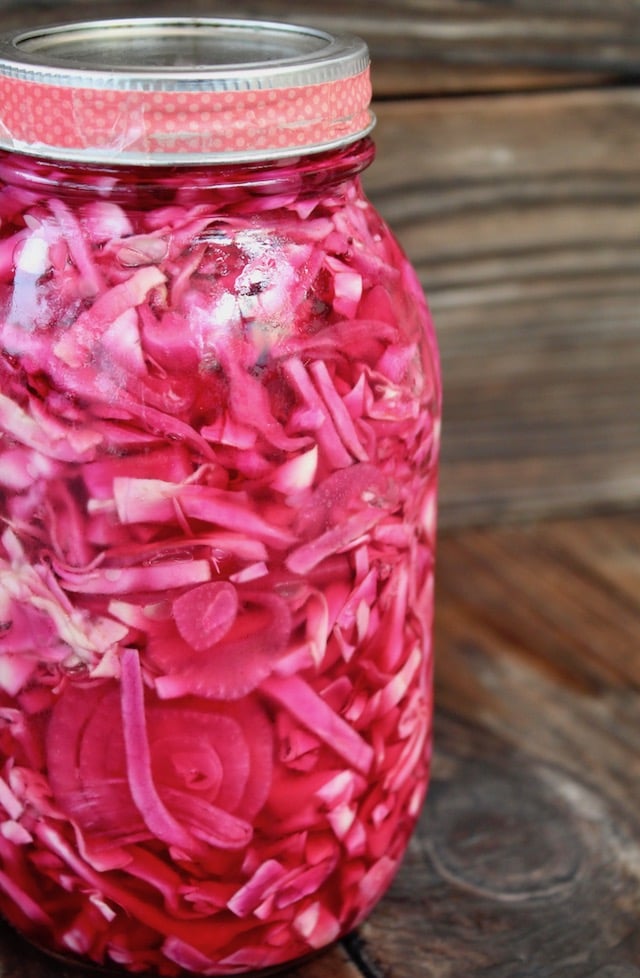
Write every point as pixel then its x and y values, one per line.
pixel 219 418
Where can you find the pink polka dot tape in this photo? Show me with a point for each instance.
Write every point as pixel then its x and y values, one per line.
pixel 257 91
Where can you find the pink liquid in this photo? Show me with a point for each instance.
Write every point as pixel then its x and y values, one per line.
pixel 219 415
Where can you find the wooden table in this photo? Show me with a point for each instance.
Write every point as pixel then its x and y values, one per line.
pixel 526 863
pixel 508 154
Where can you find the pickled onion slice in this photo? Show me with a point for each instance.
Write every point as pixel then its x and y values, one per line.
pixel 184 775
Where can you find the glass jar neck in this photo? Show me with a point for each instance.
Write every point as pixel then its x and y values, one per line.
pixel 311 173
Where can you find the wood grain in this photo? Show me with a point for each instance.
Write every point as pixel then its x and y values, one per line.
pixel 527 862
pixel 423 46
pixel 521 213
pixel 522 216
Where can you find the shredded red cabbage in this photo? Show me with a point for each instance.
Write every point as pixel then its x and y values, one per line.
pixel 218 443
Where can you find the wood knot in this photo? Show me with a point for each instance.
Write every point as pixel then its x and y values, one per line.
pixel 504 833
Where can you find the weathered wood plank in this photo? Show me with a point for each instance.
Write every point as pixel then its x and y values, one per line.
pixel 527 861
pixel 392 80
pixel 423 46
pixel 522 215
pixel 519 582
pixel 568 134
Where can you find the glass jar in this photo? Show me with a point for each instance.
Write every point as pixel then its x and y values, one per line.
pixel 219 416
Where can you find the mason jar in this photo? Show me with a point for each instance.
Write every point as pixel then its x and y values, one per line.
pixel 219 419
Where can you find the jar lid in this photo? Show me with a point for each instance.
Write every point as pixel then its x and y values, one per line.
pixel 181 90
